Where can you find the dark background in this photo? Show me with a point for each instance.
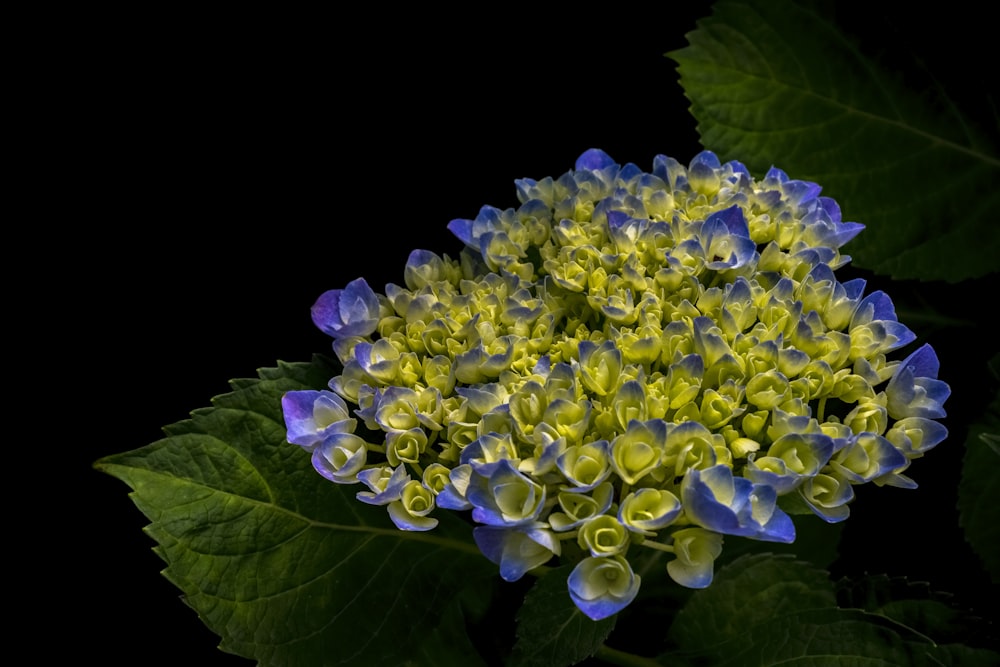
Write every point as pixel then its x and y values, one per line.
pixel 226 169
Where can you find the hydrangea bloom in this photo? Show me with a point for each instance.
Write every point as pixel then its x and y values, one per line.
pixel 627 360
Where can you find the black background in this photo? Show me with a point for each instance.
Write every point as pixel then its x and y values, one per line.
pixel 223 170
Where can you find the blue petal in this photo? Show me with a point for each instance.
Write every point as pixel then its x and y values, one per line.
pixel 300 410
pixel 874 307
pixel 738 168
pixel 700 503
pixel 800 192
pixel 705 160
pixel 700 493
pixel 594 159
pixel 406 521
pixel 775 174
pixel 844 233
pixel 482 490
pixel 831 207
pixel 323 461
pixel 463 230
pixel 352 311
pixel 450 499
pixel 733 219
pixel 855 288
pixel 690 577
pixel 629 172
pixel 912 394
pixel 393 489
pixel 670 171
pixel 452 496
pixel 515 551
pixel 778 529
pixel 601 606
pixel 923 362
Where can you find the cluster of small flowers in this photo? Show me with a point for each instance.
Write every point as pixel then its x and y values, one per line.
pixel 626 360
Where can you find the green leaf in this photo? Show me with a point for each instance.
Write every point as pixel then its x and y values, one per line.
pixel 767 610
pixel 551 630
pixel 447 644
pixel 833 637
pixel 741 591
pixel 776 83
pixel 981 480
pixel 288 568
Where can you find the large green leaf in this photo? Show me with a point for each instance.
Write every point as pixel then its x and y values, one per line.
pixel 776 83
pixel 288 568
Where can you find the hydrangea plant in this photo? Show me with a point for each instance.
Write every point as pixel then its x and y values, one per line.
pixel 627 361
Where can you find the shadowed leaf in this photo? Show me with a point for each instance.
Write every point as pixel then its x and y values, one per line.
pixel 776 83
pixel 286 567
pixel 551 631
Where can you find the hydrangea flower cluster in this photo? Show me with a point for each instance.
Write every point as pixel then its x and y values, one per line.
pixel 626 361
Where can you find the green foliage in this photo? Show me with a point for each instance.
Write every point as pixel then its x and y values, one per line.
pixel 447 643
pixel 551 630
pixel 766 610
pixel 742 591
pixel 289 569
pixel 777 83
pixel 286 567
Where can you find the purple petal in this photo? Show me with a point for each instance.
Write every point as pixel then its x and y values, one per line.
pixel 352 311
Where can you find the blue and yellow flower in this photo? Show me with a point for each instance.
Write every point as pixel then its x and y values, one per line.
pixel 627 362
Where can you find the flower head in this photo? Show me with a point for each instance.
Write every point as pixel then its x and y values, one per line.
pixel 626 360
